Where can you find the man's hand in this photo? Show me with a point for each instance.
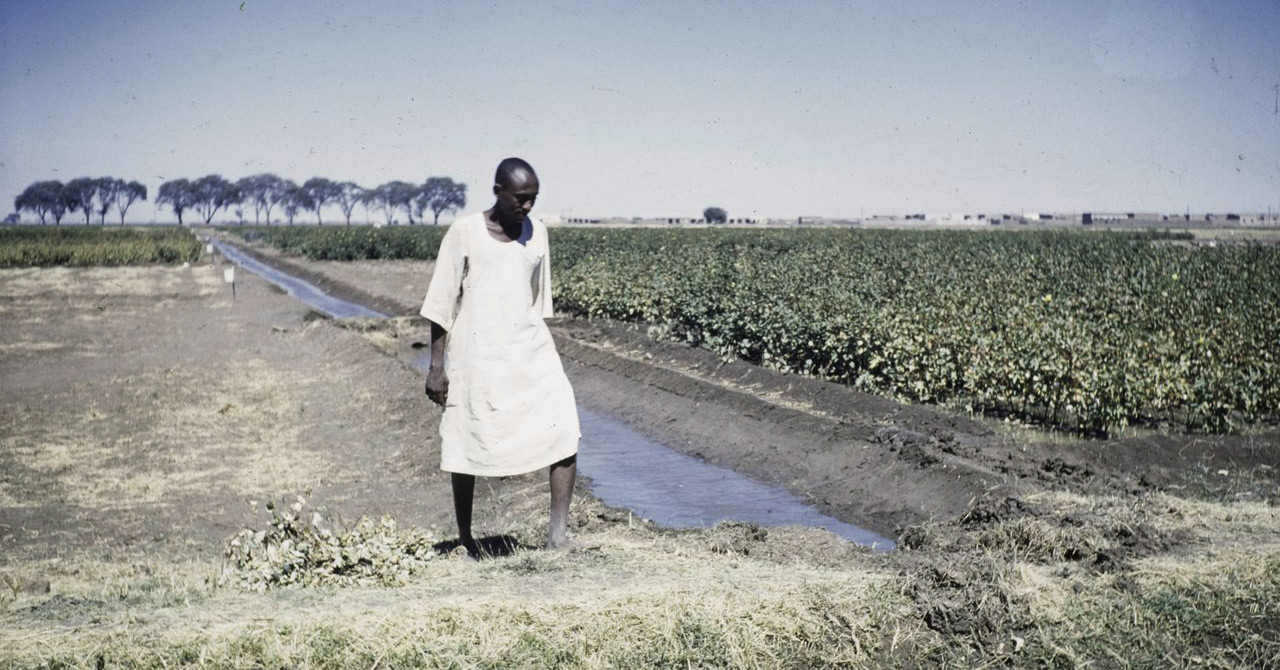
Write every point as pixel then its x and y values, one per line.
pixel 437 380
pixel 437 385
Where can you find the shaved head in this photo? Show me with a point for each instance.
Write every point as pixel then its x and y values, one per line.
pixel 515 189
pixel 510 171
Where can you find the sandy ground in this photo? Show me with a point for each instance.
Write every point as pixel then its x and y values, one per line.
pixel 143 413
pixel 144 406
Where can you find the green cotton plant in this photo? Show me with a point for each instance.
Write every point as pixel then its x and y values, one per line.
pixel 1089 332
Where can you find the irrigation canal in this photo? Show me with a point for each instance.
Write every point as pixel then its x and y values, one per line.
pixel 626 468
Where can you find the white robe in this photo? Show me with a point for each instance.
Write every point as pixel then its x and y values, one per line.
pixel 510 408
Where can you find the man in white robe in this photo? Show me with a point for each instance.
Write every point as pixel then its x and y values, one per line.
pixel 508 406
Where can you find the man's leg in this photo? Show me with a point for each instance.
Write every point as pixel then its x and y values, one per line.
pixel 464 488
pixel 562 476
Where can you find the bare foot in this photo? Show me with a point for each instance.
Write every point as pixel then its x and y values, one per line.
pixel 570 545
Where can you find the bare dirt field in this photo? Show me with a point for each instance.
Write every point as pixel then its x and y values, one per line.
pixel 144 412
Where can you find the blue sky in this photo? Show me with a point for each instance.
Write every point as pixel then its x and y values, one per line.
pixel 663 108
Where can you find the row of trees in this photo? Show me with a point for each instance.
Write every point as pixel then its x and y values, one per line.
pixel 262 193
pixel 54 199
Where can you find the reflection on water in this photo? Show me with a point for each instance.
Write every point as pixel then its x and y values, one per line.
pixel 627 469
pixel 302 290
pixel 630 470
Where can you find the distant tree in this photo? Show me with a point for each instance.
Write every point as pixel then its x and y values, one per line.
pixel 31 200
pixel 232 196
pixel 81 194
pixel 264 191
pixel 715 215
pixel 178 194
pixel 65 202
pixel 348 195
pixel 295 198
pixel 249 189
pixel 13 217
pixel 441 194
pixel 211 193
pixel 378 199
pixel 401 195
pixel 105 197
pixel 322 192
pixel 40 198
pixel 127 195
pixel 239 212
pixel 277 190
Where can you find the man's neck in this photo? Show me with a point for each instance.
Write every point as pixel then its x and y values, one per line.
pixel 511 230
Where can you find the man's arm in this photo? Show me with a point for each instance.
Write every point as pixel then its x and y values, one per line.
pixel 437 380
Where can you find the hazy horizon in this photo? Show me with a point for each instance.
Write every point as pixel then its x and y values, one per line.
pixel 816 109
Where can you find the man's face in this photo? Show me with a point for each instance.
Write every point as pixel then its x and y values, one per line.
pixel 515 200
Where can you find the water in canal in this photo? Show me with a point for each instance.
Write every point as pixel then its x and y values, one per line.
pixel 302 290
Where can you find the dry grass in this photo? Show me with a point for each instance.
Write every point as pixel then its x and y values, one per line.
pixel 202 280
pixel 638 598
pixel 389 336
pixel 17 348
pixel 642 598
pixel 169 432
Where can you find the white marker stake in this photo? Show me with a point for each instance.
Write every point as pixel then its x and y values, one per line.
pixel 208 249
pixel 229 276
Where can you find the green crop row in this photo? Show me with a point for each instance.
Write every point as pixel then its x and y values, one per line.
pixel 350 243
pixel 27 246
pixel 1088 331
pixel 1085 331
